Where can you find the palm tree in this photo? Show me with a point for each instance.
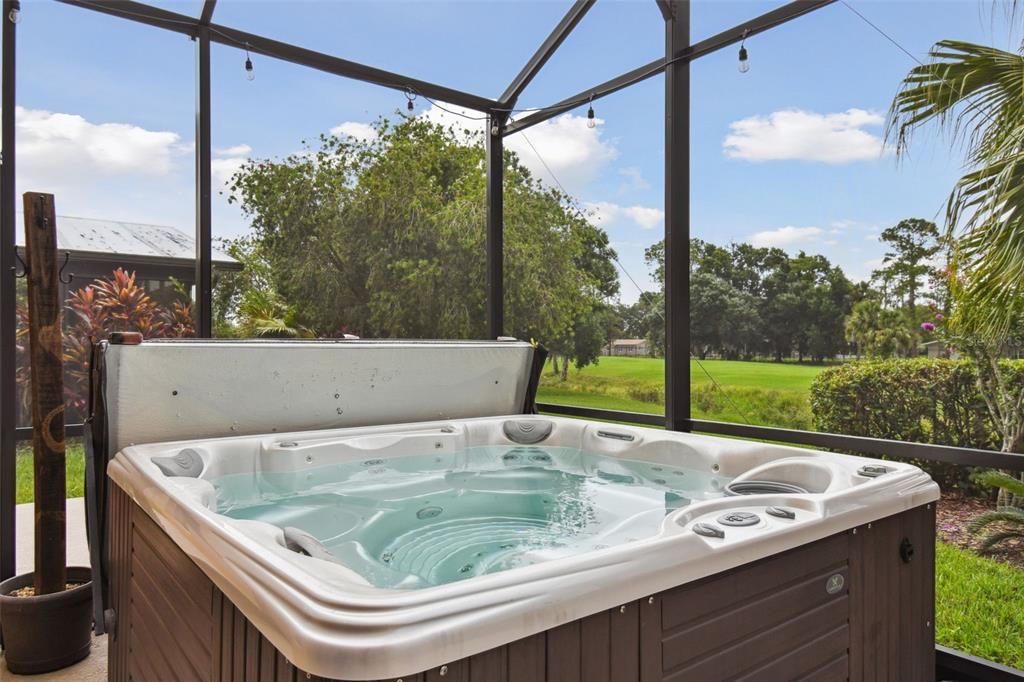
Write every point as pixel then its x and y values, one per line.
pixel 976 94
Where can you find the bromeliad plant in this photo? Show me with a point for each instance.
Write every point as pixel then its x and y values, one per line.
pixel 1006 522
pixel 111 304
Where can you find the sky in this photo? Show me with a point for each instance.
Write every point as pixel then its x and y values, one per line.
pixel 791 154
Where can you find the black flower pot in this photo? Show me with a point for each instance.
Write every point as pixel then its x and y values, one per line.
pixel 48 632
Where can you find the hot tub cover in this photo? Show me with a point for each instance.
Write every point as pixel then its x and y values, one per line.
pixel 167 390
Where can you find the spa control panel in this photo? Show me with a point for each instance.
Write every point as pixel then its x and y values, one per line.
pixel 737 523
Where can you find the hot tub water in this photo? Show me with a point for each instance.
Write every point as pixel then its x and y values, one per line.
pixel 429 519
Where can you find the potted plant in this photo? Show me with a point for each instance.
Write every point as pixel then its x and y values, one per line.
pixel 46 615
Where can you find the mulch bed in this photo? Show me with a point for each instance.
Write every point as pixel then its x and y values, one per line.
pixel 952 516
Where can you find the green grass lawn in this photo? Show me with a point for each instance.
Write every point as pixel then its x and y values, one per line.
pixel 979 605
pixel 773 394
pixel 771 375
pixel 24 474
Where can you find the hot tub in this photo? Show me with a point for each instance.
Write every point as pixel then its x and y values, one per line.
pixel 364 510
pixel 381 552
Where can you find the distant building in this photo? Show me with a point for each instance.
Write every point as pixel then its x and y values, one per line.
pixel 937 349
pixel 628 347
pixel 157 254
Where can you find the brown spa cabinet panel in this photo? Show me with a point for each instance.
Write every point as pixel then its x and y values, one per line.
pixel 848 607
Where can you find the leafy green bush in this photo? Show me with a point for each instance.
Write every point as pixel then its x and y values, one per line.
pixel 919 400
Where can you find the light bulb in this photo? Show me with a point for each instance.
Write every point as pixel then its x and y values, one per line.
pixel 744 64
pixel 15 14
pixel 591 121
pixel 249 73
pixel 494 130
pixel 409 106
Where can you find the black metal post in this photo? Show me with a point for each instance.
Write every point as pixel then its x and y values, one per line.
pixel 495 228
pixel 8 301
pixel 204 218
pixel 677 218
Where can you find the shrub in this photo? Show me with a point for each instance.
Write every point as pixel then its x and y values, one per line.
pixel 919 400
pixel 111 304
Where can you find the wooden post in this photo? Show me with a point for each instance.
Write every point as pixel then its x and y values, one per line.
pixel 47 391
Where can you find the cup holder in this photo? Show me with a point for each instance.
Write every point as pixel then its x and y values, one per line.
pixel 763 488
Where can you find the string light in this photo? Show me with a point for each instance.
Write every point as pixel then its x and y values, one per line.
pixel 249 73
pixel 591 121
pixel 15 14
pixel 410 96
pixel 744 64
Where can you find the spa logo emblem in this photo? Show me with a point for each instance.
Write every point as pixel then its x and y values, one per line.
pixel 835 583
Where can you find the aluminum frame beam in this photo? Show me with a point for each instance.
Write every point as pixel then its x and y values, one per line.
pixel 759 24
pixel 866 445
pixel 554 40
pixel 495 236
pixel 256 44
pixel 204 189
pixel 8 300
pixel 677 218
pixel 207 15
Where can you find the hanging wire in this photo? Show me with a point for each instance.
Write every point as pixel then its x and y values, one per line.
pixel 972 104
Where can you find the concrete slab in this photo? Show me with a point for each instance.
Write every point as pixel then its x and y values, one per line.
pixel 93 668
pixel 78 547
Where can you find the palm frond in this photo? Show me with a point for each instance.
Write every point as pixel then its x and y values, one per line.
pixel 976 94
pixel 989 542
pixel 997 479
pixel 1007 515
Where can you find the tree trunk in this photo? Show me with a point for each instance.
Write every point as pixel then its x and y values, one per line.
pixel 47 392
pixel 565 368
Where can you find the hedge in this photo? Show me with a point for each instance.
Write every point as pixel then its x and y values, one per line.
pixel 919 400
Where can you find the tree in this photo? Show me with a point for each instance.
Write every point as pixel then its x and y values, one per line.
pixel 385 238
pixel 912 243
pixel 792 303
pixel 721 317
pixel 876 331
pixel 974 93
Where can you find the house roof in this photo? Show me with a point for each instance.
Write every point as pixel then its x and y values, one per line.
pixel 629 342
pixel 112 238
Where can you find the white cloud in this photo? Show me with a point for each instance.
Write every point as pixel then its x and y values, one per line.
pixel 606 213
pixel 574 153
pixel 635 180
pixel 227 163
pixel 63 146
pixel 237 150
pixel 786 236
pixel 798 135
pixel 645 216
pixel 364 132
